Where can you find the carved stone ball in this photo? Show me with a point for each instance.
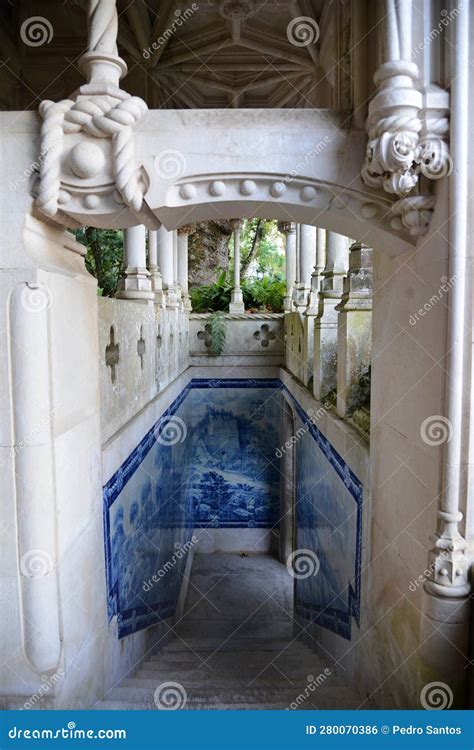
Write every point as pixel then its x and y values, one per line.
pixel 86 160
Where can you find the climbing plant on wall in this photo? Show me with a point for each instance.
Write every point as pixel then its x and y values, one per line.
pixel 104 257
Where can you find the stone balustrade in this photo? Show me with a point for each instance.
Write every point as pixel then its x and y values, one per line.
pixel 250 339
pixel 328 339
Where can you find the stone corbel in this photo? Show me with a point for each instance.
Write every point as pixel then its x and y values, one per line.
pixel 87 162
pixel 407 127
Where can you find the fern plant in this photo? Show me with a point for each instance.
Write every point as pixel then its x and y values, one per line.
pixel 218 329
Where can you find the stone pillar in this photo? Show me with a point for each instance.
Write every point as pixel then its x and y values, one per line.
pixel 153 267
pixel 317 274
pixel 137 281
pixel 307 259
pixel 289 230
pixel 354 333
pixel 176 283
pixel 237 301
pixel 313 307
pixel 183 235
pixel 325 329
pixel 165 243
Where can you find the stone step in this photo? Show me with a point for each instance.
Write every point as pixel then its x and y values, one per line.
pixel 322 697
pixel 265 675
pixel 255 629
pixel 123 705
pixel 242 644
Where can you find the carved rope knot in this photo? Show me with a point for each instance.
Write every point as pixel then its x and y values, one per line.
pixel 100 116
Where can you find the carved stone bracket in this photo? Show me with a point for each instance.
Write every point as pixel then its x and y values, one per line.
pixel 407 125
pixel 87 162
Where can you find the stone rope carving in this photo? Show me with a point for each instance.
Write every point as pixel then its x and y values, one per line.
pixel 240 316
pixel 101 110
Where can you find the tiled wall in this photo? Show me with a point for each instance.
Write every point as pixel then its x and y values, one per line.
pixel 328 525
pixel 211 462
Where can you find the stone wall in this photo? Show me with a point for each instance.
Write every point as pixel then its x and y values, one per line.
pixel 251 340
pixel 142 348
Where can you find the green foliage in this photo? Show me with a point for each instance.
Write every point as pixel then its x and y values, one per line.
pixel 104 257
pixel 218 327
pixel 264 294
pixel 261 248
pixel 212 297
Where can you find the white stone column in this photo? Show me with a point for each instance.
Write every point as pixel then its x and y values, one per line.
pixel 317 274
pixel 237 301
pixel 176 283
pixel 137 281
pixel 153 267
pixel 307 259
pixel 312 309
pixel 325 328
pixel 354 334
pixel 289 230
pixel 165 242
pixel 183 237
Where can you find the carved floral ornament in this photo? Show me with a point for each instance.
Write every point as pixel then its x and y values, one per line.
pixel 406 127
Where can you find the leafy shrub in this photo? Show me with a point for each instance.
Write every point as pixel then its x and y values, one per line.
pixel 212 297
pixel 218 332
pixel 259 294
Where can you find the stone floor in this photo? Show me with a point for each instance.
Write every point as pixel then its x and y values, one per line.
pixel 234 648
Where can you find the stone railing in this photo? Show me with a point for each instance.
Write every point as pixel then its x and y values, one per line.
pixel 250 339
pixel 142 348
pixel 328 348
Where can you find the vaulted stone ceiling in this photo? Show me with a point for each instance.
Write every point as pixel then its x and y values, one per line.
pixel 203 54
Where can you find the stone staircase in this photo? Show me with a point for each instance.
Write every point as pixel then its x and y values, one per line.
pixel 218 660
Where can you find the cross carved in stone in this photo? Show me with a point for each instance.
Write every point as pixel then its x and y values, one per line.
pixel 141 346
pixel 264 335
pixel 112 354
